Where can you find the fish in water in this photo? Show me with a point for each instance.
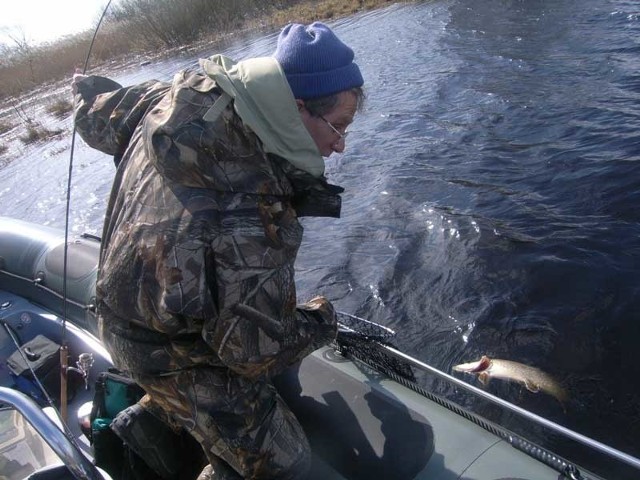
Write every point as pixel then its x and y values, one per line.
pixel 534 379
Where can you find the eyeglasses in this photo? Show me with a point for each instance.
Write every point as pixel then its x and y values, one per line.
pixel 341 135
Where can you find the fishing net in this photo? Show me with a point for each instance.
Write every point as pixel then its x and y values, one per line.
pixel 366 341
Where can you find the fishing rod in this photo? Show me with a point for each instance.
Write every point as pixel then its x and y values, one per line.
pixel 64 349
pixel 383 333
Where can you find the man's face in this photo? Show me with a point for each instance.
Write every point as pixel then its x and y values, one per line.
pixel 340 117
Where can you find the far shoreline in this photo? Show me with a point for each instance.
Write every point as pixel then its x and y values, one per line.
pixel 52 62
pixel 34 103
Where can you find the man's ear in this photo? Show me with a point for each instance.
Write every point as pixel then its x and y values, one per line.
pixel 300 104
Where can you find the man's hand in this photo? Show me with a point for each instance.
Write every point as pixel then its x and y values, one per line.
pixel 78 76
pixel 321 310
pixel 325 307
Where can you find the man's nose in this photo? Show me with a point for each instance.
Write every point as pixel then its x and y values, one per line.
pixel 338 147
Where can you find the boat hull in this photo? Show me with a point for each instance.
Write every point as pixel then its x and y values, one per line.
pixel 361 424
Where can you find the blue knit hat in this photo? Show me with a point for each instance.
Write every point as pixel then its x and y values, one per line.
pixel 315 61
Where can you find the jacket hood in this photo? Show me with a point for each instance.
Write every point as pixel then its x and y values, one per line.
pixel 264 101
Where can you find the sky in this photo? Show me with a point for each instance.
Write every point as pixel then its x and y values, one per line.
pixel 45 20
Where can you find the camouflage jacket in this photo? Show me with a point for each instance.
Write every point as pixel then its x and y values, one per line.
pixel 201 230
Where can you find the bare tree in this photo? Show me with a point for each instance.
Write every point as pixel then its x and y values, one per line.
pixel 172 23
pixel 23 47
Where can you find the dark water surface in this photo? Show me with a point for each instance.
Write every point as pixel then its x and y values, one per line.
pixel 492 192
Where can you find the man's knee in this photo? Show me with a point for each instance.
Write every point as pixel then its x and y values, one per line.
pixel 281 449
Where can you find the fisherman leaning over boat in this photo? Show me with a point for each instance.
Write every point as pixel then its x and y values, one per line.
pixel 196 291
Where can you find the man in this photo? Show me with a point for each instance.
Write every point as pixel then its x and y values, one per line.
pixel 196 294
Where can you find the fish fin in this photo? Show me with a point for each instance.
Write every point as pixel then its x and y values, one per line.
pixel 531 386
pixel 562 395
pixel 484 378
pixel 563 404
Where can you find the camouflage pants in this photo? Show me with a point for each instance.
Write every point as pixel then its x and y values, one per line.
pixel 239 422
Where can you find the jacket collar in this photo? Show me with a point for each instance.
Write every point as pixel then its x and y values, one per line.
pixel 263 100
pixel 312 196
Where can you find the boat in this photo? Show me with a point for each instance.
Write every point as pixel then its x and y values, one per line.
pixel 357 399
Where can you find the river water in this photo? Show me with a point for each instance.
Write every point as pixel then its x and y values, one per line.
pixel 492 191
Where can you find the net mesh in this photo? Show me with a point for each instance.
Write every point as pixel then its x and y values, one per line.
pixel 366 340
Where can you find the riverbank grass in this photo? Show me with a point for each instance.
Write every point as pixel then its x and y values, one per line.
pixel 60 108
pixel 5 127
pixel 36 133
